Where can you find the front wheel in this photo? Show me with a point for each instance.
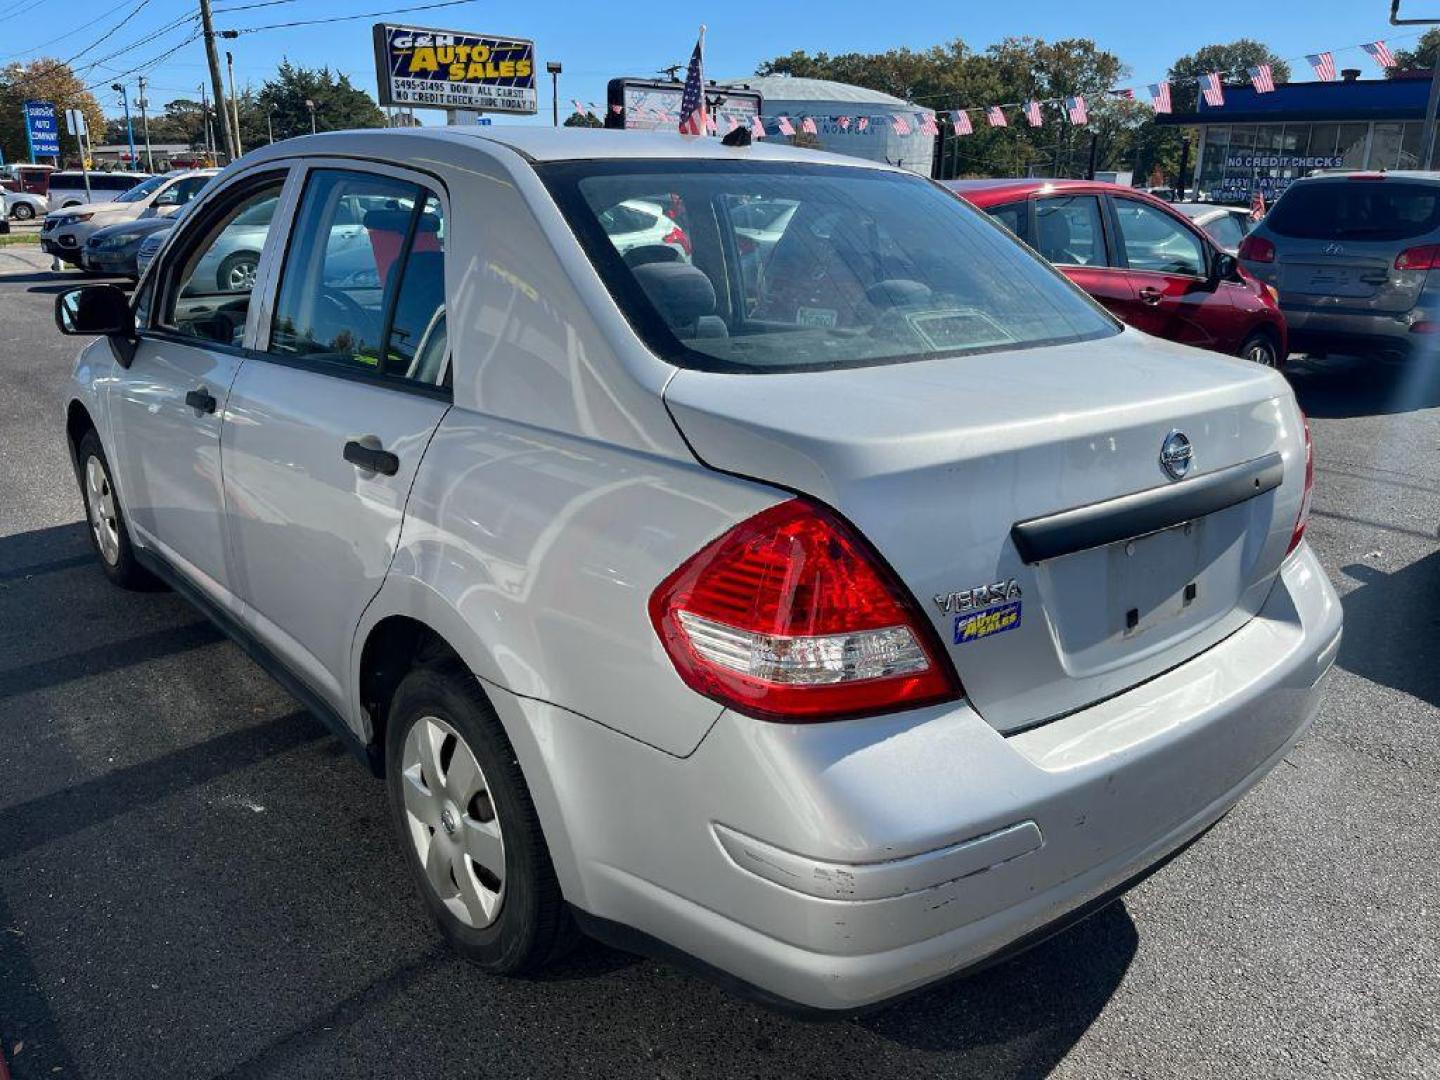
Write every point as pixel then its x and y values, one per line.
pixel 471 836
pixel 237 272
pixel 108 533
pixel 1259 348
pixel 22 212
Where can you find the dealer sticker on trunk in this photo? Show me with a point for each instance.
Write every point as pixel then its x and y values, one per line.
pixel 987 623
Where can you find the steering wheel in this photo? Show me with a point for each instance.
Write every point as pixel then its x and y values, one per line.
pixel 341 310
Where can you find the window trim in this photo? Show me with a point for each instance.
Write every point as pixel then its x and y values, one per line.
pixel 1208 247
pixel 1107 228
pixel 258 346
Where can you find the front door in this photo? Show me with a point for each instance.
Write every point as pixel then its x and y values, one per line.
pixel 168 406
pixel 326 428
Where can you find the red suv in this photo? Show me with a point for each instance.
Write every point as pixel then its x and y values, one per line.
pixel 1148 264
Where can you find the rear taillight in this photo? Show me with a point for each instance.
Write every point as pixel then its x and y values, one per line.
pixel 1257 249
pixel 1304 518
pixel 1418 258
pixel 790 616
pixel 677 237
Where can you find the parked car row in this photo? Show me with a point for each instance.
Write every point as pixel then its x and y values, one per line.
pixel 65 232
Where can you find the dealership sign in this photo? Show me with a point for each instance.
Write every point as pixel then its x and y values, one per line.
pixel 453 69
pixel 1284 161
pixel 42 129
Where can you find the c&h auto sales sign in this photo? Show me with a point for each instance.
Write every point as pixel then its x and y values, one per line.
pixel 453 69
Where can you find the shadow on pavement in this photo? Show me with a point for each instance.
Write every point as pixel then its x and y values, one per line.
pixel 1337 387
pixel 1385 617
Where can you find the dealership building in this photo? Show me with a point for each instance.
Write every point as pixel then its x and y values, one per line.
pixel 1264 141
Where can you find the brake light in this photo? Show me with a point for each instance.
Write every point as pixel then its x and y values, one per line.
pixel 790 616
pixel 1305 500
pixel 677 237
pixel 1423 257
pixel 1257 249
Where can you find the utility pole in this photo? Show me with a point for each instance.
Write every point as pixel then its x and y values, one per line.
pixel 234 101
pixel 209 131
pixel 212 57
pixel 145 126
pixel 1432 107
pixel 129 127
pixel 270 122
pixel 310 104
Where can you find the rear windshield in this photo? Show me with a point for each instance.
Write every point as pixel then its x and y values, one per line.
pixel 751 266
pixel 1356 210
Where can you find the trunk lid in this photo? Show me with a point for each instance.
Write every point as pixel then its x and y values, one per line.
pixel 1348 275
pixel 934 462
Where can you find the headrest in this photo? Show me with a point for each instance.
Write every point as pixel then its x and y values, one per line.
pixel 651 253
pixel 680 291
pixel 898 292
pixel 399 221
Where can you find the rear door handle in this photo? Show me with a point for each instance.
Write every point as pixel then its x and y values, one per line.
pixel 201 399
pixel 1150 295
pixel 372 458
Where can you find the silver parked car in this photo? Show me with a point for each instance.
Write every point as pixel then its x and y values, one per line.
pixel 1351 256
pixel 837 624
pixel 1226 225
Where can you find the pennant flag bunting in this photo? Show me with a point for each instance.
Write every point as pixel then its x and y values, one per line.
pixel 1032 113
pixel 1324 65
pixel 900 124
pixel 786 128
pixel 862 124
pixel 731 123
pixel 1160 97
pixel 1124 92
pixel 1262 77
pixel 928 125
pixel 996 115
pixel 960 120
pixel 757 128
pixel 1075 107
pixel 807 125
pixel 844 123
pixel 1213 89
pixel 1380 53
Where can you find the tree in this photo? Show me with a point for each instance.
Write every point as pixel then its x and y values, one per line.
pixel 585 119
pixel 339 104
pixel 43 80
pixel 1421 56
pixel 1231 60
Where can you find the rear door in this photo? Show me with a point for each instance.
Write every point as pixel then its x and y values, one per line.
pixel 1070 231
pixel 1337 242
pixel 1168 265
pixel 328 422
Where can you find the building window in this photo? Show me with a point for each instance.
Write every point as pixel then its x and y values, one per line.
pixel 1351 145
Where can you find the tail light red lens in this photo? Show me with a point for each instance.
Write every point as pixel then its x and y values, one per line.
pixel 789 616
pixel 1304 518
pixel 1418 258
pixel 1257 249
pixel 677 237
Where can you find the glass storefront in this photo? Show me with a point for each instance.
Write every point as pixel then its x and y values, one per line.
pixel 1238 159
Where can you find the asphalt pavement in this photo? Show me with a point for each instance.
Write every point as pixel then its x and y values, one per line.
pixel 196 880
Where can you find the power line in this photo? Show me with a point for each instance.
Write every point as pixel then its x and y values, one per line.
pixel 247 7
pixel 348 18
pixel 146 64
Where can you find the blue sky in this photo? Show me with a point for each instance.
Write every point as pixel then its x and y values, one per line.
pixel 596 41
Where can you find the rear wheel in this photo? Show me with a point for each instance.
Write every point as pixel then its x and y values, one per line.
pixel 1260 348
pixel 108 533
pixel 237 272
pixel 471 837
pixel 22 212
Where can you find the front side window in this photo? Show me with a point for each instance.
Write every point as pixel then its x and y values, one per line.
pixel 363 284
pixel 142 191
pixel 1068 231
pixel 789 266
pixel 181 191
pixel 1155 241
pixel 1227 230
pixel 208 294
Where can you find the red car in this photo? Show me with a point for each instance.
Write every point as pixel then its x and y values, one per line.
pixel 1148 264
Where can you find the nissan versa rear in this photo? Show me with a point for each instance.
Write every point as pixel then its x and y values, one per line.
pixel 832 596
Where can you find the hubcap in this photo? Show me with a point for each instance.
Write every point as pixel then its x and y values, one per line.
pixel 242 277
pixel 1260 353
pixel 100 504
pixel 452 822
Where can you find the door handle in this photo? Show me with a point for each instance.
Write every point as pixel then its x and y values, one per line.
pixel 200 399
pixel 371 457
pixel 1150 295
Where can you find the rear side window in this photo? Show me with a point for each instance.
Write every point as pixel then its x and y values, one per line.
pixel 1227 230
pixel 1357 210
pixel 1013 216
pixel 1068 231
pixel 363 284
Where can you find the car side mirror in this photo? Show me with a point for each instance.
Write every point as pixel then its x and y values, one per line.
pixel 91 310
pixel 1225 267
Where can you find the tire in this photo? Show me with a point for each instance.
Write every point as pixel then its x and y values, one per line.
pixel 22 211
pixel 237 272
pixel 509 917
pixel 1260 348
pixel 109 535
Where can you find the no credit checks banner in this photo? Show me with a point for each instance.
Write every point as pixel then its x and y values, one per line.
pixel 454 69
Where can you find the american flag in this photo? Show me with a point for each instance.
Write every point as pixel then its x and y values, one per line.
pixel 617 109
pixel 578 107
pixel 757 128
pixel 1213 89
pixel 900 124
pixel 1075 106
pixel 928 125
pixel 1257 205
pixel 710 122
pixel 1262 77
pixel 807 125
pixel 1032 113
pixel 693 120
pixel 862 124
pixel 844 123
pixel 1380 53
pixel 731 122
pixel 1124 92
pixel 996 115
pixel 1160 97
pixel 786 128
pixel 1324 65
pixel 961 120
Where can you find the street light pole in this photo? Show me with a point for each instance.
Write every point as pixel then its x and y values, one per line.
pixel 129 127
pixel 269 122
pixel 1432 107
pixel 205 120
pixel 145 125
pixel 553 67
pixel 309 104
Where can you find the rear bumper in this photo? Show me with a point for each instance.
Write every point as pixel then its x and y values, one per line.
pixel 839 865
pixel 1313 330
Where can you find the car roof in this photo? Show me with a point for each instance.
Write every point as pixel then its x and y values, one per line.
pixel 542 144
pixel 990 192
pixel 1421 175
pixel 1201 210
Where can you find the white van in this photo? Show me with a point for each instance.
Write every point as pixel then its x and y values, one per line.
pixel 68 188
